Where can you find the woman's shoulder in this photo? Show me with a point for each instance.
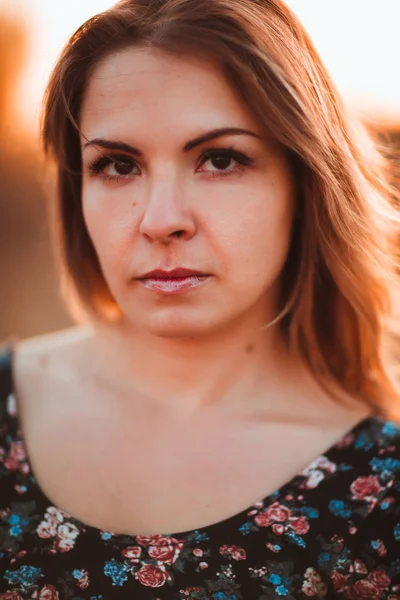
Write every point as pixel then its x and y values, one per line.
pixel 37 363
pixel 32 356
pixel 33 351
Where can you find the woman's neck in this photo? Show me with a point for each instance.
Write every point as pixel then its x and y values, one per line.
pixel 190 374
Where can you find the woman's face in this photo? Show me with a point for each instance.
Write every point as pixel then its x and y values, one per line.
pixel 164 188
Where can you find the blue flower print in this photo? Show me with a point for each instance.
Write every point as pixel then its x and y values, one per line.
pixel 17 523
pixel 337 507
pixel 200 537
pixel 363 442
pixel 387 464
pixel 296 539
pixel 246 528
pixel 390 429
pixel 25 576
pixel 77 574
pixel 311 513
pixel 394 568
pixel 323 558
pixel 117 572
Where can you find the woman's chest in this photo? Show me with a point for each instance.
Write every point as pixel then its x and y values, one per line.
pixel 144 475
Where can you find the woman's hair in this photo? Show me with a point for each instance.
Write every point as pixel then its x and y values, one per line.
pixel 341 265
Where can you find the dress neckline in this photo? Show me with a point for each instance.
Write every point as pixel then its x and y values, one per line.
pixel 234 521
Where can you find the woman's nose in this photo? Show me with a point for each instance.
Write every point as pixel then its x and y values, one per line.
pixel 166 216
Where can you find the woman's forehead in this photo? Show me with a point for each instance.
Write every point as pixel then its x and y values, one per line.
pixel 142 86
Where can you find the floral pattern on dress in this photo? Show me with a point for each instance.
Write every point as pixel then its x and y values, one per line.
pixel 332 531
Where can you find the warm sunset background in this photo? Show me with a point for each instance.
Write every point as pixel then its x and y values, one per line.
pixel 359 40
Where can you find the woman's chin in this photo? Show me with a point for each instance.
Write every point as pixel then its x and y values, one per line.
pixel 180 324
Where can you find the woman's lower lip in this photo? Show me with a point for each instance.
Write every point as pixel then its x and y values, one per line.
pixel 173 285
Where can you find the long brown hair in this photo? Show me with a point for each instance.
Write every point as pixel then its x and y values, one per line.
pixel 336 283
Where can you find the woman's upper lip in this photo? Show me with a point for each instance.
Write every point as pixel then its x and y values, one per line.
pixel 162 274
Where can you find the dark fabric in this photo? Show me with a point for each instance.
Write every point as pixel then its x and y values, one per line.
pixel 333 531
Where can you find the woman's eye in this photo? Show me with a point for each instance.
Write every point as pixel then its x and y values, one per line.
pixel 224 161
pixel 112 168
pixel 122 167
pixel 217 162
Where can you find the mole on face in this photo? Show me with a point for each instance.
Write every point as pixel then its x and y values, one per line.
pixel 249 348
pixel 134 203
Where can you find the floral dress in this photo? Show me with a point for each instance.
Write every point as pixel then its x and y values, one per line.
pixel 332 531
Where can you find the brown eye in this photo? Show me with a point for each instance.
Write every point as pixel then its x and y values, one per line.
pixel 123 167
pixel 221 162
pixel 224 161
pixel 111 168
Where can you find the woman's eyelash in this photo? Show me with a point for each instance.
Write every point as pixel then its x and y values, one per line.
pixel 98 165
pixel 239 157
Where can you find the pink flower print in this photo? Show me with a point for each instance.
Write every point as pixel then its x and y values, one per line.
pixel 380 579
pixel 299 524
pixel 82 577
pixel 358 567
pixel 362 590
pixel 380 547
pixel 347 440
pixel 273 547
pixel 313 480
pixel 234 552
pixel 67 534
pixel 278 528
pixel 364 488
pixel 48 528
pixel 148 540
pixel 339 580
pixel 316 472
pixel 48 592
pixel 368 489
pixel 132 553
pixel 162 553
pixel 54 526
pixel 276 513
pixel 16 457
pixel 167 550
pixel 152 576
pixel 313 584
pixel 188 590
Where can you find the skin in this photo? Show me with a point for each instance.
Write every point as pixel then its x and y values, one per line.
pixel 235 224
pixel 179 398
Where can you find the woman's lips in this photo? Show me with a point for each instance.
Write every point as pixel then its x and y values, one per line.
pixel 173 285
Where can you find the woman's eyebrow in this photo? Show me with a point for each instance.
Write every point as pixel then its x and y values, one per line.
pixel 202 139
pixel 216 133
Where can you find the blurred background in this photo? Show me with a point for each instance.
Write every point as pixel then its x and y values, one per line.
pixel 359 42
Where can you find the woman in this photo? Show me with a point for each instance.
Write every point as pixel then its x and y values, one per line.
pixel 216 426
